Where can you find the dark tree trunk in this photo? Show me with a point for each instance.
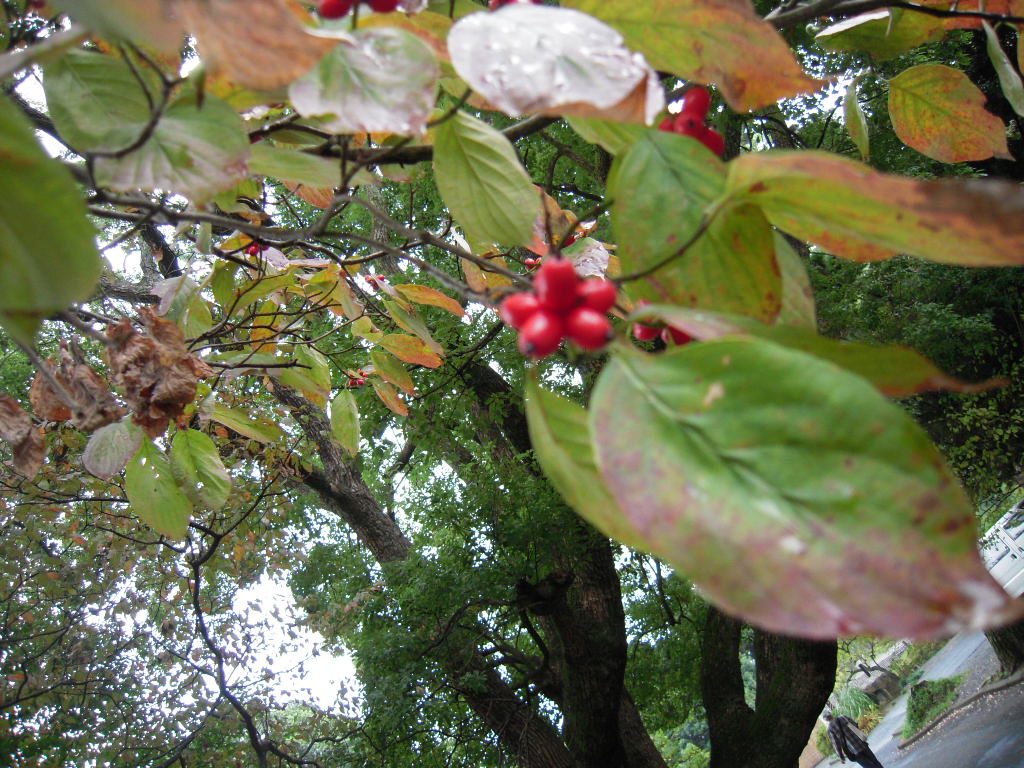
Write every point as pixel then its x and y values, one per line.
pixel 794 679
pixel 1008 643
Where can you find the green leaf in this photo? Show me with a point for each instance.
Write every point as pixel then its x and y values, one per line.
pixel 153 493
pixel 722 42
pixel 260 429
pixel 806 503
pixel 614 137
pixel 110 447
pixel 295 166
pixel 345 421
pixel 182 303
pixel 856 121
pixel 938 111
pixel 560 435
pixel 255 290
pixel 198 469
pixel 1009 78
pixel 197 148
pixel 391 370
pixel 666 189
pixel 483 183
pixel 383 81
pixel 48 255
pixel 881 34
pixel 798 306
pixel 895 370
pixel 313 378
pixel 857 213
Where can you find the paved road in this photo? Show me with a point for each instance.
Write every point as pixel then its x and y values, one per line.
pixel 988 733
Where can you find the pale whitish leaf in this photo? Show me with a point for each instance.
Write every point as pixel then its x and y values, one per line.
pixel 198 469
pixel 1009 79
pixel 182 303
pixel 48 256
pixel 383 82
pixel 856 120
pixel 98 105
pixel 483 183
pixel 153 493
pixel 528 58
pixel 589 256
pixel 345 421
pixel 110 447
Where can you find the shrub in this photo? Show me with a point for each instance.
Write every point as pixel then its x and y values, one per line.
pixel 928 700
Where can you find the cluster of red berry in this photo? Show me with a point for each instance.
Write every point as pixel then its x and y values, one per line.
pixel 335 9
pixel 560 306
pixel 356 381
pixel 669 334
pixel 690 121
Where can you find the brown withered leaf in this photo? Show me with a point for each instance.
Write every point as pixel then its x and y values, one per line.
pixel 258 44
pixel 46 404
pixel 155 372
pixel 92 403
pixel 26 441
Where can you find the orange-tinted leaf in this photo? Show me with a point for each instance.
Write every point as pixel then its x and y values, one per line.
pixel 1005 7
pixel 319 197
pixel 422 294
pixel 710 41
pixel 861 214
pixel 938 111
pixel 258 44
pixel 881 35
pixel 46 404
pixel 474 276
pixel 389 397
pixel 410 349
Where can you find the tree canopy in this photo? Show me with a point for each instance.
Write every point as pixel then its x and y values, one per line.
pixel 259 260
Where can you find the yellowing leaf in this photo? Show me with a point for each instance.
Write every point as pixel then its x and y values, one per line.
pixel 878 34
pixel 389 397
pixel 709 41
pixel 474 275
pixel 392 371
pixel 410 349
pixel 422 294
pixel 1009 78
pixel 345 421
pixel 938 111
pixel 260 429
pixel 856 121
pixel 861 214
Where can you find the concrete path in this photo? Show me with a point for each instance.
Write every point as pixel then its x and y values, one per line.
pixel 988 733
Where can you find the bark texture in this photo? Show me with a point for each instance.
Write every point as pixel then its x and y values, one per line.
pixel 794 679
pixel 1008 643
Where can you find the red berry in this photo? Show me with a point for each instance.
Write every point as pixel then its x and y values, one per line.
pixel 598 294
pixel 668 124
pixel 556 283
pixel 675 335
pixel 253 249
pixel 541 334
pixel 644 332
pixel 587 328
pixel 360 382
pixel 384 6
pixel 532 263
pixel 688 124
pixel 335 9
pixel 517 309
pixel 713 140
pixel 696 101
pixel 569 241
